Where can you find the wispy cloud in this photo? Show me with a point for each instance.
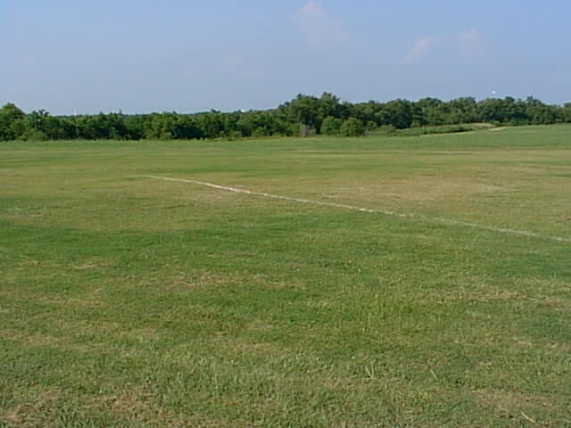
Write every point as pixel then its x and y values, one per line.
pixel 318 26
pixel 471 44
pixel 422 48
pixel 468 45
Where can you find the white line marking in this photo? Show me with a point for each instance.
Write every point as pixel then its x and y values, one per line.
pixel 440 220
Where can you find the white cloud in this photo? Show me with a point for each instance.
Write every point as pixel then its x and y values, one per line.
pixel 471 44
pixel 312 8
pixel 318 26
pixel 422 48
pixel 468 45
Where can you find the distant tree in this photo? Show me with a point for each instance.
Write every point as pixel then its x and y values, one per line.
pixel 326 114
pixel 352 127
pixel 492 110
pixel 101 126
pixel 40 125
pixel 331 126
pixel 260 132
pixel 462 110
pixel 12 124
pixel 566 112
pixel 231 128
pixel 211 124
pixel 304 110
pixel 330 106
pixel 365 112
pixel 135 127
pixel 160 126
pixel 400 113
pixel 433 110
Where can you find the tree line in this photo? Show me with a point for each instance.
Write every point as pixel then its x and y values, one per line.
pixel 303 115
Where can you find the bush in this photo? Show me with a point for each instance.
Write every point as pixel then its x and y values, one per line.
pixel 331 126
pixel 352 128
pixel 33 135
pixel 260 132
pixel 386 130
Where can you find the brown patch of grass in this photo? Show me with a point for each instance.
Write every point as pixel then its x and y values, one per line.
pixel 259 325
pixel 84 302
pixel 529 293
pixel 425 188
pixel 89 265
pixel 184 280
pixel 210 279
pixel 141 334
pixel 102 329
pixel 64 343
pixel 277 283
pixel 33 413
pixel 243 346
pixel 138 405
pixel 483 295
pixel 515 405
pixel 133 405
pixel 33 339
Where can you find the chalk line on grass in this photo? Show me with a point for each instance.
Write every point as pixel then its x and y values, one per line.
pixel 441 220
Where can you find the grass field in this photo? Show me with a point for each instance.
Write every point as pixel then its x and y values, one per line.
pixel 131 301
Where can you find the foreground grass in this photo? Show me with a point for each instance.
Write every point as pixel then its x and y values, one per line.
pixel 126 301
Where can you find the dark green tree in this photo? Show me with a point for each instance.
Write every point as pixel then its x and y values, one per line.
pixel 12 124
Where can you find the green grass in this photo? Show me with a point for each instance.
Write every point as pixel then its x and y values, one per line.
pixel 127 301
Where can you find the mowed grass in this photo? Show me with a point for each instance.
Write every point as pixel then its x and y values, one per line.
pixel 129 301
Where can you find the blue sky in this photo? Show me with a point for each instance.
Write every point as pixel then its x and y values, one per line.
pixel 193 55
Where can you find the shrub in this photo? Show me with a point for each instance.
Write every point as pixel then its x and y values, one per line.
pixel 352 128
pixel 331 126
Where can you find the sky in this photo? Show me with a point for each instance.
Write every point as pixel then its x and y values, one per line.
pixel 141 56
